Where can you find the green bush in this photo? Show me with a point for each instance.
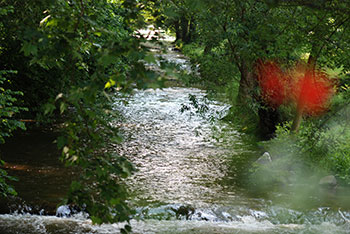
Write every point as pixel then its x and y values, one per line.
pixel 69 56
pixel 8 109
pixel 321 145
pixel 8 123
pixel 216 70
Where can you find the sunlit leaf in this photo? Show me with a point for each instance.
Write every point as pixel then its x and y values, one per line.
pixel 63 107
pixel 110 84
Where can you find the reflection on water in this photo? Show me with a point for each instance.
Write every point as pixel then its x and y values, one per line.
pixel 33 158
pixel 176 158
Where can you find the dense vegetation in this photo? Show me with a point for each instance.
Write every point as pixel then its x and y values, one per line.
pixel 229 39
pixel 65 58
pixel 61 60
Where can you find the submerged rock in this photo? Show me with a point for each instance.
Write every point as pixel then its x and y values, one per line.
pixel 328 181
pixel 328 188
pixel 184 211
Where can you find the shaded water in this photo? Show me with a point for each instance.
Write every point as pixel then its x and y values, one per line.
pixel 188 165
pixel 43 182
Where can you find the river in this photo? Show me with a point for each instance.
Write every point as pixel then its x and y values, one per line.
pixel 188 169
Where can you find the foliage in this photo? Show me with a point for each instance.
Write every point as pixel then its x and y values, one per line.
pixel 5 188
pixel 233 36
pixel 88 143
pixel 93 58
pixel 321 145
pixel 70 56
pixel 8 109
pixel 179 17
pixel 18 39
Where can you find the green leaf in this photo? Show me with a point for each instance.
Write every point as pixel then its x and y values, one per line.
pixel 59 96
pixel 29 49
pixel 52 22
pixel 49 108
pixel 110 84
pixel 75 186
pixel 98 34
pixel 61 142
pixel 96 220
pixel 115 201
pixel 108 59
pixel 44 20
pixel 63 107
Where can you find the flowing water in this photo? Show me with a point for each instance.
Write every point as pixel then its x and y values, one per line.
pixel 189 166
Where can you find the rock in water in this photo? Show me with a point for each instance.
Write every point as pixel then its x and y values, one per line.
pixel 184 211
pixel 329 181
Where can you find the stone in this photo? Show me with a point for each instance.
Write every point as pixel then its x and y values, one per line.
pixel 329 181
pixel 184 210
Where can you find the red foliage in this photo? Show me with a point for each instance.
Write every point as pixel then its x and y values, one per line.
pixel 272 83
pixel 312 92
pixel 309 89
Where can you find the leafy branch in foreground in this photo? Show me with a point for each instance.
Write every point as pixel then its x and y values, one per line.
pixel 87 143
pixel 95 50
pixel 80 50
pixel 8 108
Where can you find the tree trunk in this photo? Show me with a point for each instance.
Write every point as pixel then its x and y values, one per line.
pixel 297 120
pixel 268 117
pixel 191 30
pixel 184 29
pixel 177 30
pixel 311 63
pixel 247 84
